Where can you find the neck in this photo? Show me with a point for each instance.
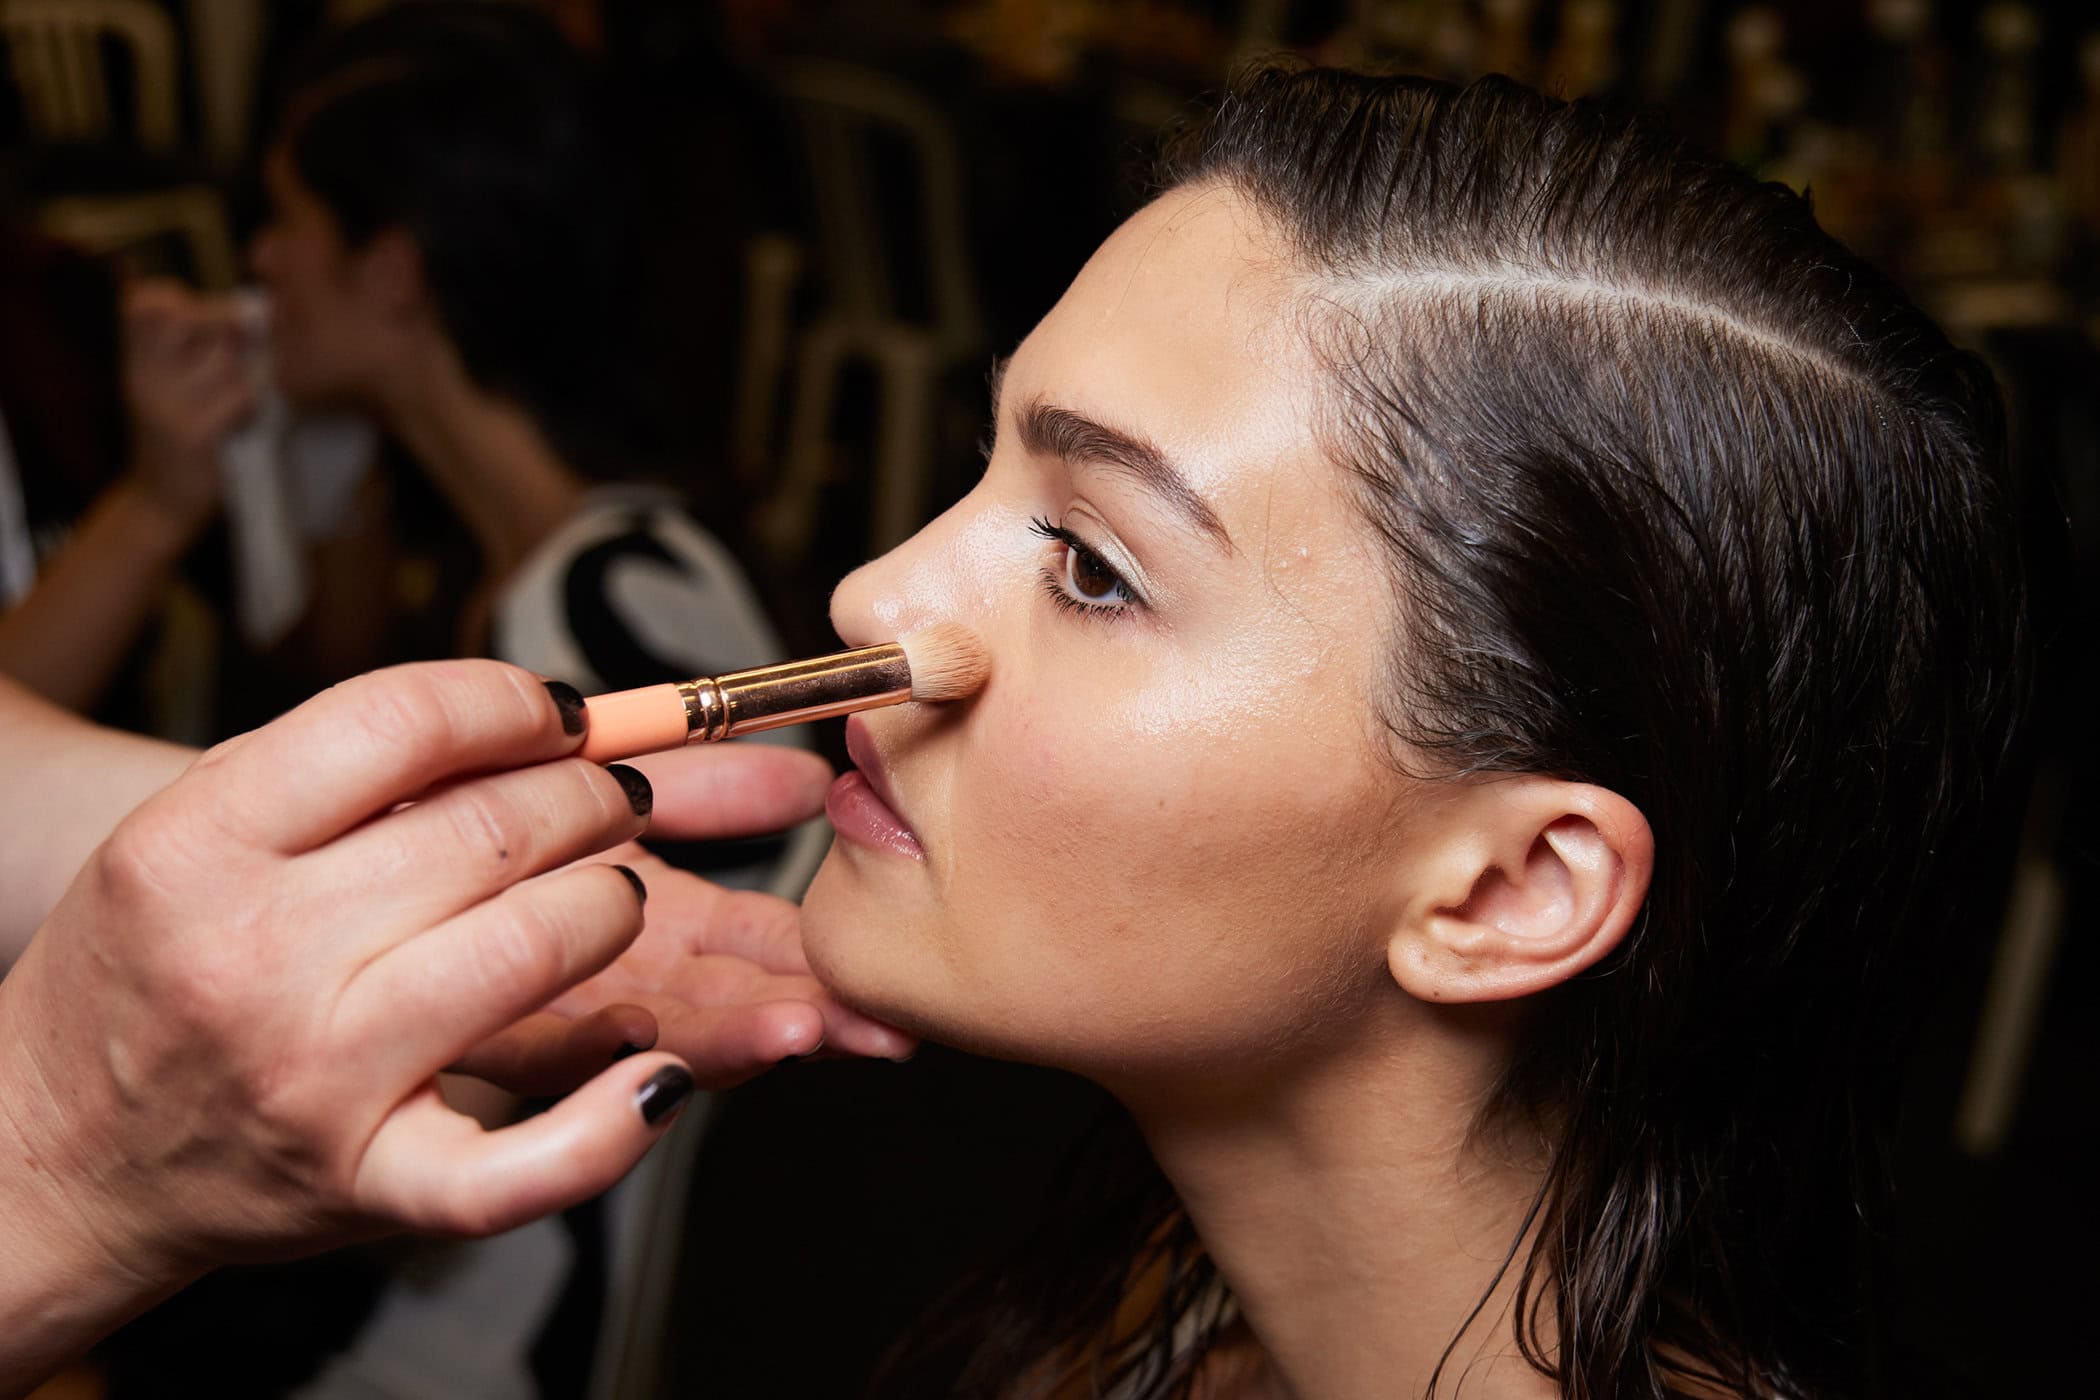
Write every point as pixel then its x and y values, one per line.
pixel 1356 1219
pixel 486 454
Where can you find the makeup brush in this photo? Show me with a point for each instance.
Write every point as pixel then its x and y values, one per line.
pixel 941 662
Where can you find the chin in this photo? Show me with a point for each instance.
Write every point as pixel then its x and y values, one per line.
pixel 883 966
pixel 893 969
pixel 851 949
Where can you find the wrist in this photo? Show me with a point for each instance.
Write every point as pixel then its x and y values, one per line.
pixel 63 1285
pixel 160 523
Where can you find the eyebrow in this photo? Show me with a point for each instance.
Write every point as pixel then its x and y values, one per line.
pixel 1073 437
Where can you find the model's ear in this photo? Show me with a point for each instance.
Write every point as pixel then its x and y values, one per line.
pixel 1537 880
pixel 389 274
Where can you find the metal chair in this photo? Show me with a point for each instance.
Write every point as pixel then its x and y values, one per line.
pixel 55 49
pixel 193 215
pixel 845 115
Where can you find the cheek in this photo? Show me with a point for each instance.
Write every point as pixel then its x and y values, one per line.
pixel 1098 858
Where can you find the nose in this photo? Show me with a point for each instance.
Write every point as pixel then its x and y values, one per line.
pixel 931 577
pixel 868 605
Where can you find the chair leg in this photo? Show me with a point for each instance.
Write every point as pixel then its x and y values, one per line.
pixel 787 519
pixel 902 464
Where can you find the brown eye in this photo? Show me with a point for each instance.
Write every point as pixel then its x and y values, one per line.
pixel 1079 579
pixel 1091 579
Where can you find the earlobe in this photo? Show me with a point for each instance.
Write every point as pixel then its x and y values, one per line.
pixel 1541 879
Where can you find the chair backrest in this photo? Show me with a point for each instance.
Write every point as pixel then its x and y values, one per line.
pixel 54 49
pixel 846 115
pixel 117 224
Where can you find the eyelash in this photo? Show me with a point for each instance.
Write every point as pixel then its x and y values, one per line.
pixel 1053 583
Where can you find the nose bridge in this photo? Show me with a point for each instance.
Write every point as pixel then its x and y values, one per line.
pixel 935 576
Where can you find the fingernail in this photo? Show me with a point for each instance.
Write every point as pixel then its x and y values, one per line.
pixel 660 1097
pixel 569 700
pixel 627 1047
pixel 641 891
pixel 640 795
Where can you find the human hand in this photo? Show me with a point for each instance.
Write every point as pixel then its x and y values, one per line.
pixel 719 972
pixel 188 383
pixel 223 1043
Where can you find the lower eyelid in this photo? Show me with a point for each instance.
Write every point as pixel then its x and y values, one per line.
pixel 1054 586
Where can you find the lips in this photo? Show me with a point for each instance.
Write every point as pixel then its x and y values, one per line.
pixel 861 805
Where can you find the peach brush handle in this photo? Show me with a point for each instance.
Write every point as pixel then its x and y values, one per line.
pixel 629 722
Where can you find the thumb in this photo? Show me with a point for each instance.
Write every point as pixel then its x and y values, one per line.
pixel 429 1168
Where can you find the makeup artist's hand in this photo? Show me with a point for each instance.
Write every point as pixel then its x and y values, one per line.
pixel 722 971
pixel 222 1044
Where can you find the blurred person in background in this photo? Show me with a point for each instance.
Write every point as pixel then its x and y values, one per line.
pixel 100 499
pixel 450 250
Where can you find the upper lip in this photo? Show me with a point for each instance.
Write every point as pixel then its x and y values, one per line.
pixel 860 747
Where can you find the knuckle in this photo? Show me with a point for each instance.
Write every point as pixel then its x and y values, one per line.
pixel 437 707
pixel 484 822
pixel 520 951
pixel 610 808
pixel 128 860
pixel 140 862
pixel 524 696
pixel 402 710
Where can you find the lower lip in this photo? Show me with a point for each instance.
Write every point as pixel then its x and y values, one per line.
pixel 866 820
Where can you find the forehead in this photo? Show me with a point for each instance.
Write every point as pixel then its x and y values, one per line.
pixel 1183 328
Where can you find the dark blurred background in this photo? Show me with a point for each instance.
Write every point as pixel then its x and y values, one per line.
pixel 845 211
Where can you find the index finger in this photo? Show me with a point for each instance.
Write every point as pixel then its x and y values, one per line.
pixel 714 791
pixel 357 749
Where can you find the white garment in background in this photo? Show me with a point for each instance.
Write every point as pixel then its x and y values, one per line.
pixel 17 546
pixel 290 479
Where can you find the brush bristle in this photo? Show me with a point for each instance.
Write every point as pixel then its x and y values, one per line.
pixel 946 662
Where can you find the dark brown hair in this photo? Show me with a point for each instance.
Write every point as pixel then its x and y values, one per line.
pixel 1686 501
pixel 476 128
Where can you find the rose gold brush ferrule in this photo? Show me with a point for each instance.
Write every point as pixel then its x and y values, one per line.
pixel 794 692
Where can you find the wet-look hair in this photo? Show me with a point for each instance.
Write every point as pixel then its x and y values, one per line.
pixel 1684 500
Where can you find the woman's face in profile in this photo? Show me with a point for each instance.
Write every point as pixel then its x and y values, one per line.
pixel 1168 833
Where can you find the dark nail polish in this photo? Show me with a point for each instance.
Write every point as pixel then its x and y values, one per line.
pixel 641 891
pixel 640 795
pixel 569 700
pixel 627 1047
pixel 660 1097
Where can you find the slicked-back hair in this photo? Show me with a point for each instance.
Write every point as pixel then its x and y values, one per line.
pixel 1684 500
